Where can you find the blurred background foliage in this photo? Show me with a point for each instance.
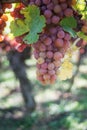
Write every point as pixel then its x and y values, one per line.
pixel 62 106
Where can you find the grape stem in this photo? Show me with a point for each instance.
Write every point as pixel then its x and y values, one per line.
pixel 14 1
pixel 77 40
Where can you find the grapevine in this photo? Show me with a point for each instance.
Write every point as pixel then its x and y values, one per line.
pixel 51 27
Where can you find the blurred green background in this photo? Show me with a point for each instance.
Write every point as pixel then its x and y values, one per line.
pixel 62 106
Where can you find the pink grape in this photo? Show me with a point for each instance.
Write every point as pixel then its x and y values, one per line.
pixel 61 34
pixel 36 55
pixel 47 13
pixel 64 6
pixel 49 54
pixel 67 37
pixel 48 41
pixel 57 63
pixel 42 54
pixel 43 71
pixel 59 42
pixel 40 60
pixel 68 12
pixel 50 48
pixel 50 6
pixel 46 77
pixel 51 66
pixel 48 60
pixel 38 66
pixel 53 30
pixel 44 66
pixel 55 19
pixel 42 47
pixel 57 9
pixel 57 55
pixel 51 72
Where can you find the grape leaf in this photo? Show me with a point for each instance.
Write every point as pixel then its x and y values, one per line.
pixel 82 35
pixel 34 30
pixel 69 22
pixel 70 31
pixel 18 27
pixel 32 24
pixel 36 23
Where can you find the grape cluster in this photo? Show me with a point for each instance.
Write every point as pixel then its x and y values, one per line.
pixel 54 41
pixel 49 51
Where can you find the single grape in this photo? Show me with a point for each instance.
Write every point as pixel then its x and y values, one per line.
pixel 67 37
pixel 49 54
pixel 48 13
pixel 57 56
pixel 50 6
pixel 57 9
pixel 68 12
pixel 55 19
pixel 42 47
pixel 40 60
pixel 44 66
pixel 51 66
pixel 57 63
pixel 46 76
pixel 47 41
pixel 61 34
pixel 59 42
pixel 51 72
pixel 64 6
pixel 42 54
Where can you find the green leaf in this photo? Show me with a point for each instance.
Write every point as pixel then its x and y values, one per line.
pixel 33 24
pixel 82 35
pixel 70 31
pixel 69 22
pixel 36 27
pixel 18 27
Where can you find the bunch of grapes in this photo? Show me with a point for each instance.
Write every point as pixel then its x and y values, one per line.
pixel 49 51
pixel 54 41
